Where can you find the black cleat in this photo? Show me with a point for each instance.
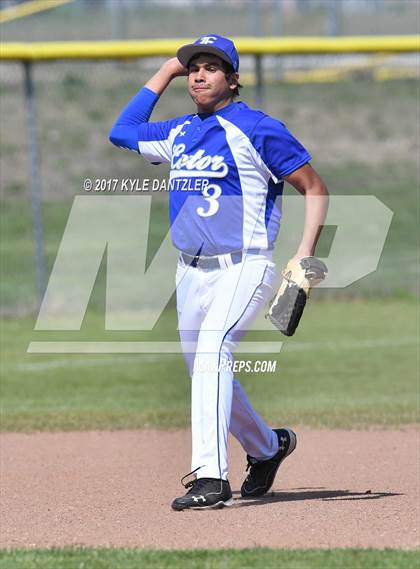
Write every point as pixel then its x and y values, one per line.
pixel 262 473
pixel 205 493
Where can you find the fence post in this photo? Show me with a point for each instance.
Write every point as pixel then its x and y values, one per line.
pixel 257 32
pixel 259 91
pixel 333 18
pixel 35 183
pixel 116 11
pixel 278 31
pixel 256 18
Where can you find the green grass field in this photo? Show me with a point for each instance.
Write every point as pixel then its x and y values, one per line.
pixel 351 364
pixel 79 558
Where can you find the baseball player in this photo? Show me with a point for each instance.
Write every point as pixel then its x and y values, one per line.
pixel 228 166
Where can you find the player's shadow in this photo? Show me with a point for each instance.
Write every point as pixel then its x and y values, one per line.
pixel 317 493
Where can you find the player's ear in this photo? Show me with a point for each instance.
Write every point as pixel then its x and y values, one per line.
pixel 233 81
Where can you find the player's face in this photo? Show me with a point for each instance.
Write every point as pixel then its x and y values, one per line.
pixel 207 83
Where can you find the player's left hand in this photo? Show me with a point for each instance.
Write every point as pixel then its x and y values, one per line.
pixel 299 276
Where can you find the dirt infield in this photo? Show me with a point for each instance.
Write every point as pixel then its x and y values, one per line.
pixel 339 489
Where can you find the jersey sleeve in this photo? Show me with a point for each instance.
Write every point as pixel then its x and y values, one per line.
pixel 133 131
pixel 280 151
pixel 155 139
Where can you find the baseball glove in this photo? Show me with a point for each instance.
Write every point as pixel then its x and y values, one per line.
pixel 298 278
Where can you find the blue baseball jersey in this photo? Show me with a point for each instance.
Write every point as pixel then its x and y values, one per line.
pixel 226 172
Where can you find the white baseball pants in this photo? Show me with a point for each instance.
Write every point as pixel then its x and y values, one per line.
pixel 215 308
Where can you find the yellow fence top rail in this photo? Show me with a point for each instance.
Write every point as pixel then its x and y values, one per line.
pixel 45 51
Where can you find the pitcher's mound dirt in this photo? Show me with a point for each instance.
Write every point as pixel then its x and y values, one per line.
pixel 339 489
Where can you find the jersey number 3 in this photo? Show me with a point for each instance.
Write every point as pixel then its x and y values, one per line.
pixel 211 194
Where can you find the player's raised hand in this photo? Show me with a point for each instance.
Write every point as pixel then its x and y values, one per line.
pixel 174 67
pixel 170 69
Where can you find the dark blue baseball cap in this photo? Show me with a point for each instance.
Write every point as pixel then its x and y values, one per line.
pixel 210 43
